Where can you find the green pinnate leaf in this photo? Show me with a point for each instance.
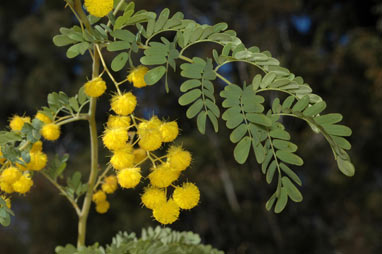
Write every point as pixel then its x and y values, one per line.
pixel 119 61
pixel 190 84
pixel 194 109
pixel 201 122
pixel 292 175
pixel 282 200
pixel 346 167
pixel 291 189
pixel 238 133
pixel 154 75
pixel 271 171
pixel 315 109
pixel 337 130
pixel 289 157
pixel 328 118
pixel 189 97
pixel 241 150
pixel 301 104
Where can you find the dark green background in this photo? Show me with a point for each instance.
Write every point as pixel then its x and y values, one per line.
pixel 335 45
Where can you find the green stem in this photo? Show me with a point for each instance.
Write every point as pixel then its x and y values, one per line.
pixel 94 160
pixel 74 119
pixel 63 192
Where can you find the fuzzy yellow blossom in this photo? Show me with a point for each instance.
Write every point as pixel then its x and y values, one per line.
pixel 115 139
pixel 50 131
pixel 150 135
pixel 43 118
pixel 23 184
pixel 187 196
pixel 123 104
pixel 99 8
pixel 139 155
pixel 6 187
pixel 167 213
pixel 163 176
pixel 36 147
pixel 10 175
pixel 17 122
pixel 151 141
pixel 169 131
pixel 95 87
pixel 99 196
pixel 102 207
pixel 178 158
pixel 137 76
pixel 2 160
pixel 118 121
pixel 123 158
pixel 7 201
pixel 153 197
pixel 38 161
pixel 129 177
pixel 110 184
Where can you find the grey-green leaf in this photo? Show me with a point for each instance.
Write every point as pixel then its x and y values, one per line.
pixel 315 109
pixel 346 167
pixel 291 189
pixel 337 130
pixel 194 109
pixel 281 201
pixel 241 151
pixel 154 75
pixel 189 97
pixel 289 157
pixel 201 122
pixel 119 61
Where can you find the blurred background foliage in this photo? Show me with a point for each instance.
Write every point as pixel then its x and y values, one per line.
pixel 335 45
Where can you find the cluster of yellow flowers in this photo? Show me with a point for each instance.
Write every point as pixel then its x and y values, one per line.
pixel 133 141
pixel 17 177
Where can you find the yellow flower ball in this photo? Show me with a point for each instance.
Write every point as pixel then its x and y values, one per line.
pixel 17 122
pixel 115 139
pixel 129 177
pixel 118 122
pixel 123 158
pixel 151 141
pixel 187 196
pixel 123 104
pixel 99 8
pixel 95 87
pixel 23 184
pixel 169 131
pixel 153 197
pixel 178 158
pixel 137 76
pixel 110 184
pixel 50 131
pixel 153 124
pixel 38 161
pixel 10 175
pixel 7 201
pixel 102 207
pixel 163 176
pixel 99 196
pixel 167 213
pixel 43 118
pixel 139 155
pixel 6 187
pixel 36 147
